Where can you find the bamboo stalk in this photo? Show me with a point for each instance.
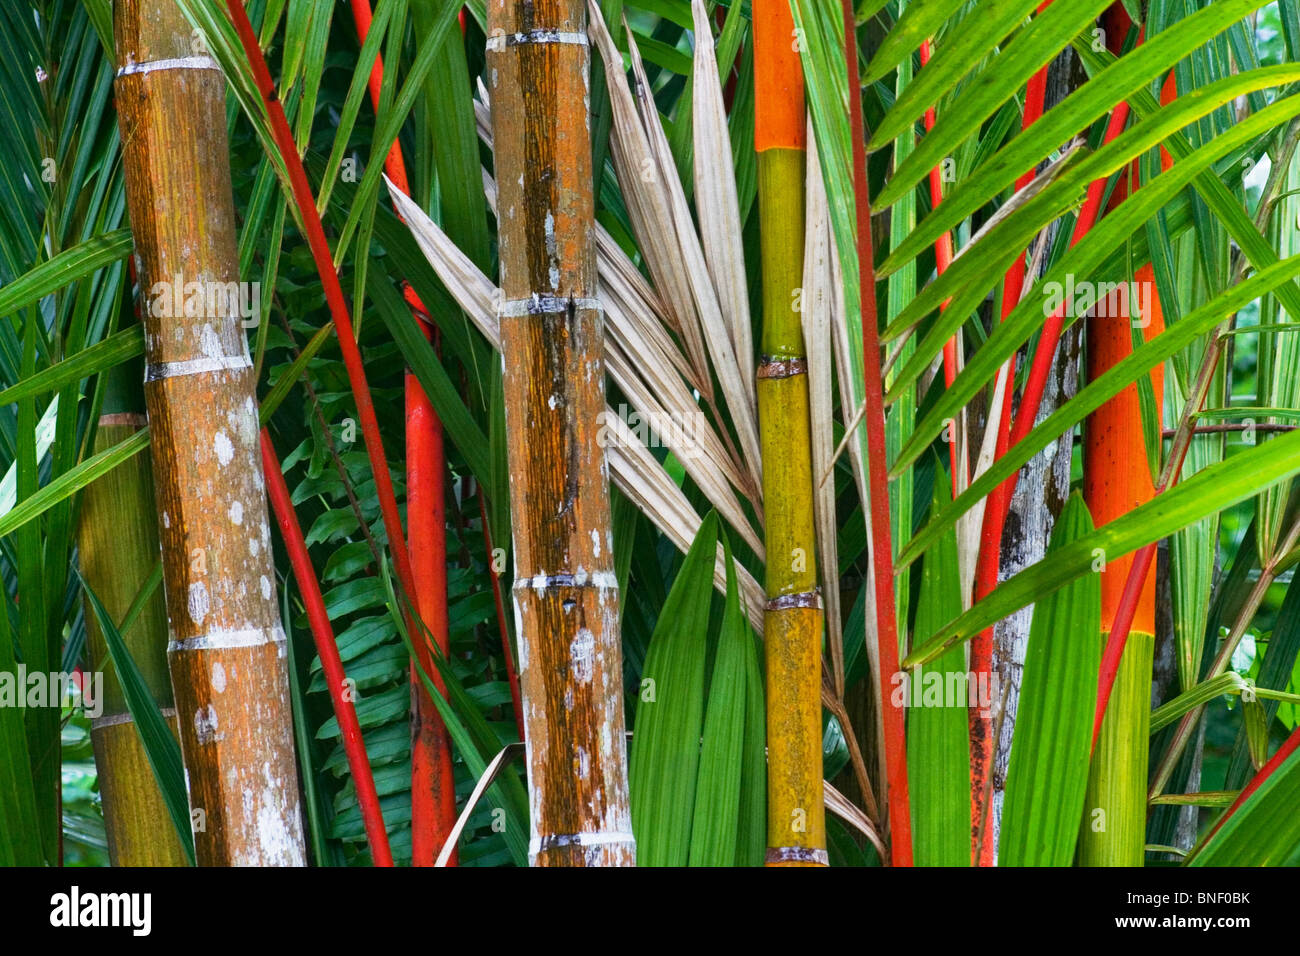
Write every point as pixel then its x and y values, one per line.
pixel 566 591
pixel 117 545
pixel 227 655
pixel 792 617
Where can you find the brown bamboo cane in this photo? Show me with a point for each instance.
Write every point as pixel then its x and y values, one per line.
pixel 117 547
pixel 565 592
pixel 227 650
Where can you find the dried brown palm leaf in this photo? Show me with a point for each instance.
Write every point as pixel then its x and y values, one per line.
pixel 656 187
pixel 716 202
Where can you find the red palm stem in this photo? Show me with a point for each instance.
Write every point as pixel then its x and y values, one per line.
pixel 882 555
pixel 326 646
pixel 433 790
pixel 320 251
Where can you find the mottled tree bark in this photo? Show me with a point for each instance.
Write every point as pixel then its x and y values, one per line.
pixel 227 649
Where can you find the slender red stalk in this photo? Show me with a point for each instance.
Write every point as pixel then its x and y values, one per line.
pixel 320 251
pixel 987 562
pixel 882 555
pixel 433 782
pixel 1289 746
pixel 433 785
pixel 998 504
pixel 323 633
pixel 512 672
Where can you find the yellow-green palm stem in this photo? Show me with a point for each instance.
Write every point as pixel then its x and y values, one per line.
pixel 792 620
pixel 117 542
pixel 1115 811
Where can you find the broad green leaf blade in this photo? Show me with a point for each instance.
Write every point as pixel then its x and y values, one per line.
pixel 917 23
pixel 72 481
pixel 971 275
pixel 1218 486
pixel 938 733
pixel 1033 47
pixel 1048 771
pixel 160 744
pixel 75 263
pixel 1118 377
pixel 100 357
pixel 1265 829
pixel 21 843
pixel 665 753
pixel 717 792
pixel 1082 107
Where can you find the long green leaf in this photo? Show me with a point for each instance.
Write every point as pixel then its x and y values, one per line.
pixel 1218 486
pixel 100 357
pixel 68 266
pixel 1048 772
pixel 72 481
pixel 714 831
pixel 1264 830
pixel 938 736
pixel 665 753
pixel 160 744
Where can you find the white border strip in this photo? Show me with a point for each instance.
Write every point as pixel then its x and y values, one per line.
pixel 559 840
pixel 592 579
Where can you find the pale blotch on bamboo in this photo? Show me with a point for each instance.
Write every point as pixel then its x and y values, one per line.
pixel 236 730
pixel 566 592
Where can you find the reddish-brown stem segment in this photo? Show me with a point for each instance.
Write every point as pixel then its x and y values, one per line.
pixel 1141 566
pixel 882 556
pixel 326 646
